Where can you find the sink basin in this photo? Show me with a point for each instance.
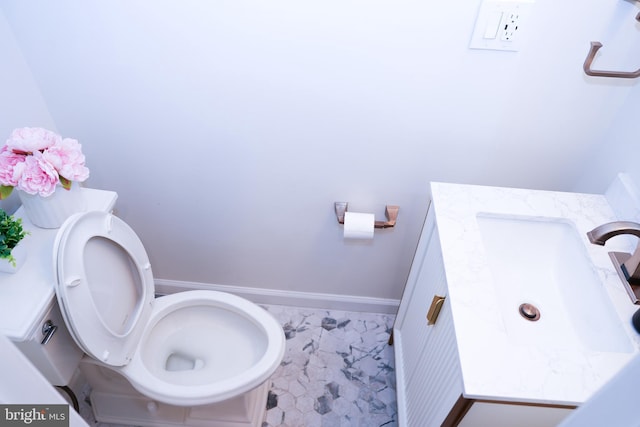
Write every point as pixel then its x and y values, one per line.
pixel 544 263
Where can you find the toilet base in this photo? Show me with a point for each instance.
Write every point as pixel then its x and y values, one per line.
pixel 114 400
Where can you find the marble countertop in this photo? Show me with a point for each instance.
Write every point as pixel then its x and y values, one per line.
pixel 493 366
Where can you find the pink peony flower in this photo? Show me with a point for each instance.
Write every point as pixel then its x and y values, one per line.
pixel 36 176
pixel 29 140
pixel 67 158
pixel 8 161
pixel 36 160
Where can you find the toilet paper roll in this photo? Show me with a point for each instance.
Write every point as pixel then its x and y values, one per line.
pixel 358 225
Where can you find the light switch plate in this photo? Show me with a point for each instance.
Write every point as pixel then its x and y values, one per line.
pixel 500 25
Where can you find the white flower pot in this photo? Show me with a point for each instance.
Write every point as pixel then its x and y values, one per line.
pixel 19 254
pixel 52 211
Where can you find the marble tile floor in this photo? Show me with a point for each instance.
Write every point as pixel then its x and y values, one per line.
pixel 337 371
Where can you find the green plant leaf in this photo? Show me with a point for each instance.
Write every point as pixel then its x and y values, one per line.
pixel 5 191
pixel 11 232
pixel 66 184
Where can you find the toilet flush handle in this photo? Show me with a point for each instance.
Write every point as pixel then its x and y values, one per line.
pixel 48 329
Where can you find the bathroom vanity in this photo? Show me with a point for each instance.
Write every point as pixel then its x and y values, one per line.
pixel 29 314
pixel 467 352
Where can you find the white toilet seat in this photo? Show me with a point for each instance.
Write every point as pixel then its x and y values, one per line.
pixel 189 348
pixel 104 285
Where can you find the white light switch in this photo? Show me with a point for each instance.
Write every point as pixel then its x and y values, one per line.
pixel 500 24
pixel 493 25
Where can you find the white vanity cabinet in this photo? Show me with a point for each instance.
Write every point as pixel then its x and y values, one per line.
pixel 428 375
pixel 430 384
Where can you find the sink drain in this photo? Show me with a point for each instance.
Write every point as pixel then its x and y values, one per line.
pixel 529 312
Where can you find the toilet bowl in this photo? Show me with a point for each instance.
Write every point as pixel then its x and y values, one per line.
pixel 190 348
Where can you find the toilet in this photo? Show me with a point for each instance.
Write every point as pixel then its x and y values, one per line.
pixel 184 350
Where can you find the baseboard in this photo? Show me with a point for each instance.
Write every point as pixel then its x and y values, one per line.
pixel 290 298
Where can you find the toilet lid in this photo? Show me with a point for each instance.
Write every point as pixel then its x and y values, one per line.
pixel 104 285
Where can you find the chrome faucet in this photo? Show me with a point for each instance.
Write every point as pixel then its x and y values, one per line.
pixel 627 265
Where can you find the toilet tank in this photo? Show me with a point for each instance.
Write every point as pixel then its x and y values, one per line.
pixel 56 357
pixel 28 300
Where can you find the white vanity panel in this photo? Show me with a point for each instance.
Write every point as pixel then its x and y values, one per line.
pixel 428 371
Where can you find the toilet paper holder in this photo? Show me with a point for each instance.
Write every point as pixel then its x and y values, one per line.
pixel 390 211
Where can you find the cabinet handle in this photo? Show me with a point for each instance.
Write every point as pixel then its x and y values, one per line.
pixel 434 310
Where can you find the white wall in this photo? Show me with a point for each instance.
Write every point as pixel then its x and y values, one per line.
pixel 619 150
pixel 21 103
pixel 229 128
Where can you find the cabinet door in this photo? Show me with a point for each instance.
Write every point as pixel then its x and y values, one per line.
pixel 417 295
pixel 427 363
